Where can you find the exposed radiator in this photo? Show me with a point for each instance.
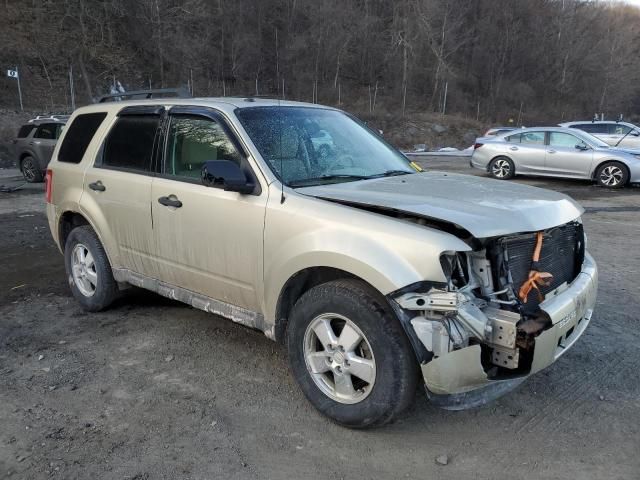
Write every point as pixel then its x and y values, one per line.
pixel 562 256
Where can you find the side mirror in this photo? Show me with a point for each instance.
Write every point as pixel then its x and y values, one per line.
pixel 227 175
pixel 582 146
pixel 635 133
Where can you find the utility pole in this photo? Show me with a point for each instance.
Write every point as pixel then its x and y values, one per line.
pixel 71 88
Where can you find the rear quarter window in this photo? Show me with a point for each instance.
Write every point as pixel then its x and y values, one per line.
pixel 79 135
pixel 25 130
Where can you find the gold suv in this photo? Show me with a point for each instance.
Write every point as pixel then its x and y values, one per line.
pixel 299 221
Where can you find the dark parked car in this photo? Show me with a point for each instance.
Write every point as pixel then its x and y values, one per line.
pixel 34 144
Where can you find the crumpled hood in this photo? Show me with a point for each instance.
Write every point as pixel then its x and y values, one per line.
pixel 482 206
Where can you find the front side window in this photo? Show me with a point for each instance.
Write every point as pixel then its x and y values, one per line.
pixel 194 140
pixel 564 140
pixel 130 143
pixel 618 129
pixel 307 146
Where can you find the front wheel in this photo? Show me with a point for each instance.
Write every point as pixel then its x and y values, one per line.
pixel 612 175
pixel 349 354
pixel 502 168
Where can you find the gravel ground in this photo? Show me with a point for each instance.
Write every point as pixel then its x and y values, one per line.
pixel 155 389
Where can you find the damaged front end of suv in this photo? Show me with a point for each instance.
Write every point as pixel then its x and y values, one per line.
pixel 497 320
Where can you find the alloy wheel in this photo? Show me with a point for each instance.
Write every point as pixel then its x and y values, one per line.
pixel 501 168
pixel 611 176
pixel 29 170
pixel 83 268
pixel 339 358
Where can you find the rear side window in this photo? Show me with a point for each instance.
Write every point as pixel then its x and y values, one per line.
pixel 601 128
pixel 47 131
pixel 79 135
pixel 25 130
pixel 130 143
pixel 531 138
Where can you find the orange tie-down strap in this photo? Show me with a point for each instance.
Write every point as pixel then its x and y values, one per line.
pixel 536 279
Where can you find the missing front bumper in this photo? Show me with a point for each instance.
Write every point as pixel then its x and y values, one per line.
pixel 457 380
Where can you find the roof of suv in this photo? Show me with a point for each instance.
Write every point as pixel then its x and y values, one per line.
pixel 40 119
pixel 226 104
pixel 596 122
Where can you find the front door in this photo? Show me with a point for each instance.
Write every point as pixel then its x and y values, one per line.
pixel 117 191
pixel 208 240
pixel 567 155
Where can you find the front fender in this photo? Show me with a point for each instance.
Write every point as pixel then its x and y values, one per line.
pixel 387 253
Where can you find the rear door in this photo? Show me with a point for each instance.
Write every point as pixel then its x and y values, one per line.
pixel 568 156
pixel 527 150
pixel 117 188
pixel 208 240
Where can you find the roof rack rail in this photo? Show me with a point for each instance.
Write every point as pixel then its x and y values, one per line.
pixel 55 118
pixel 145 94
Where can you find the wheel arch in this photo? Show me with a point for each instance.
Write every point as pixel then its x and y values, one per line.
pixel 67 222
pixel 71 219
pixel 301 282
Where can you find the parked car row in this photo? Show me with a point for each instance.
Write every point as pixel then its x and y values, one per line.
pixel 606 156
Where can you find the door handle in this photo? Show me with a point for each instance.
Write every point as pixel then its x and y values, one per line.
pixel 97 186
pixel 551 151
pixel 513 148
pixel 170 201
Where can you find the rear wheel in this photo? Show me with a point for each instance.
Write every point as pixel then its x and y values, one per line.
pixel 502 168
pixel 350 355
pixel 30 170
pixel 612 175
pixel 88 270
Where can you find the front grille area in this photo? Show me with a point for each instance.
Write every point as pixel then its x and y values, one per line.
pixel 562 255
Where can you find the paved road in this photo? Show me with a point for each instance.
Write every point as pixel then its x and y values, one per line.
pixel 154 389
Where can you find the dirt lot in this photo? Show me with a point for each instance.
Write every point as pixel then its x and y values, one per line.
pixel 154 389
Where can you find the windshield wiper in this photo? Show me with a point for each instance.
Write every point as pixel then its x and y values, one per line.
pixel 390 173
pixel 310 181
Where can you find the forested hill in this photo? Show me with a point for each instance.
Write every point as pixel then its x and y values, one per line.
pixel 551 59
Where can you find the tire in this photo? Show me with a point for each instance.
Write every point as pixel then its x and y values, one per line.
pixel 82 242
pixel 502 168
pixel 30 170
pixel 343 304
pixel 612 175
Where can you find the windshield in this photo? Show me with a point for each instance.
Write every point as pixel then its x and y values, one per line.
pixel 312 146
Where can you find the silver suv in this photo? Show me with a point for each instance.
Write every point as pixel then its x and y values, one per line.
pixel 616 134
pixel 34 144
pixel 369 270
